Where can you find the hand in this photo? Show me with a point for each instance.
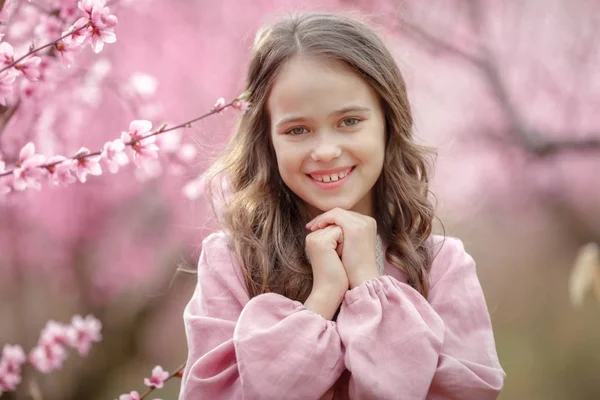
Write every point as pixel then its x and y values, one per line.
pixel 330 281
pixel 359 251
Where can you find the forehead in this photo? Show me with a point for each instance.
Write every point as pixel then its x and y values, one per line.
pixel 311 86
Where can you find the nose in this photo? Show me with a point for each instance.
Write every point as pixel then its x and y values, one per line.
pixel 326 150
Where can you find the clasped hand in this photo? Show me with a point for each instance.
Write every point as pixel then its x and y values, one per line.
pixel 349 236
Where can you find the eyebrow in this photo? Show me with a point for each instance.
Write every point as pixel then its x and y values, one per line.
pixel 344 110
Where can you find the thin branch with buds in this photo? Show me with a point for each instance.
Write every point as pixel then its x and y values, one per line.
pixel 36 50
pixel 177 374
pixel 159 131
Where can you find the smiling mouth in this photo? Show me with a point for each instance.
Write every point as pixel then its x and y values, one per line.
pixel 331 178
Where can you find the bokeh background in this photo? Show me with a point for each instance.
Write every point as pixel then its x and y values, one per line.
pixel 507 91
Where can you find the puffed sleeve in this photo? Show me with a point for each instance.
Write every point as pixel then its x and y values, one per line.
pixel 267 347
pixel 400 345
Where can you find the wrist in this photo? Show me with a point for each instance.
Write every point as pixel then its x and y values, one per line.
pixel 363 276
pixel 324 302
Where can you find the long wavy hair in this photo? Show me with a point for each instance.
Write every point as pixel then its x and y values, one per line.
pixel 264 219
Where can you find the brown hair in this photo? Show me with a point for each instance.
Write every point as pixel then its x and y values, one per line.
pixel 264 219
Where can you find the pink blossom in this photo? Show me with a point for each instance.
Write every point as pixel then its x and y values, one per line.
pixel 10 367
pixel 218 107
pixel 60 173
pixel 7 79
pixel 138 129
pixel 241 105
pixel 87 6
pixel 66 50
pixel 101 17
pixel 131 396
pixel 30 68
pixel 28 173
pixel 144 147
pixel 113 153
pixel 13 357
pixel 83 332
pixel 101 30
pixel 78 36
pixel 47 357
pixel 84 165
pixel 50 353
pixel 55 332
pixel 8 380
pixel 158 378
pixel 7 53
pixel 100 23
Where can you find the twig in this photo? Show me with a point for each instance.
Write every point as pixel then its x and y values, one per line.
pixel 159 131
pixel 177 374
pixel 33 51
pixel 530 139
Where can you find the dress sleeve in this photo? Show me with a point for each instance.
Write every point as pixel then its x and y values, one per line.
pixel 267 347
pixel 401 345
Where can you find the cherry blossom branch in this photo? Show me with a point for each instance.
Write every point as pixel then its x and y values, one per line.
pixel 137 138
pixel 50 352
pixel 33 51
pixel 176 374
pixel 156 381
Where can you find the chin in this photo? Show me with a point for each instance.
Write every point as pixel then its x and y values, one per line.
pixel 324 207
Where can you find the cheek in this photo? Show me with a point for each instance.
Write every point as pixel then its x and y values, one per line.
pixel 371 151
pixel 288 160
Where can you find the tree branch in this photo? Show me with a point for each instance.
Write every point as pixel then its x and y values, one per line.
pixel 531 140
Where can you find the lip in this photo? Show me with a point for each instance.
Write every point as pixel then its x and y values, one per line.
pixel 331 185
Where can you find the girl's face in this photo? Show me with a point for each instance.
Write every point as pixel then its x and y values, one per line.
pixel 328 131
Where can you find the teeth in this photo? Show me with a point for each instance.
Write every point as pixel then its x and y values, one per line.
pixel 331 178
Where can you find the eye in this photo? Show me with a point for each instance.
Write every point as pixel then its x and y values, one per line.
pixel 299 130
pixel 350 121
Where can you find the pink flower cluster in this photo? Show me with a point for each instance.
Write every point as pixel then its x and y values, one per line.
pixel 95 27
pixel 32 169
pixel 10 367
pixel 156 381
pixel 50 352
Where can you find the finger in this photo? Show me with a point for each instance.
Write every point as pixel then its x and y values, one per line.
pixel 320 225
pixel 321 221
pixel 336 232
pixel 340 249
pixel 339 217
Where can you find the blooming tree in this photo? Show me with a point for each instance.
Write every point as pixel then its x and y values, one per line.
pixel 30 75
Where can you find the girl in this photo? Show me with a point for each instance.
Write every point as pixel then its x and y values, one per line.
pixel 326 282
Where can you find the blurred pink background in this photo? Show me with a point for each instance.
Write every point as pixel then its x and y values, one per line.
pixel 509 93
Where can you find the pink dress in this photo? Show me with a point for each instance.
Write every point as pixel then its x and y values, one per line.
pixel 388 341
